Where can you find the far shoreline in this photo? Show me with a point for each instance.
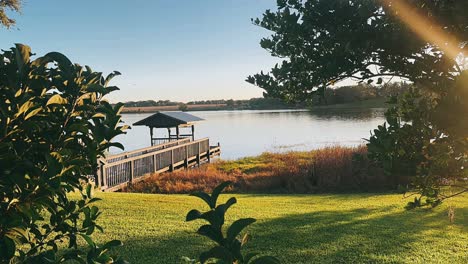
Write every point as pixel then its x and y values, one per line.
pixel 365 104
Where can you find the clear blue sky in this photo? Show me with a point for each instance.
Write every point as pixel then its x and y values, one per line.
pixel 177 50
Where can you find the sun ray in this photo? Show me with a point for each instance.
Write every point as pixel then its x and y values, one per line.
pixel 429 30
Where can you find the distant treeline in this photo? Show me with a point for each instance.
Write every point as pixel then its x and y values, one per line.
pixel 253 103
pixel 340 95
pixel 360 92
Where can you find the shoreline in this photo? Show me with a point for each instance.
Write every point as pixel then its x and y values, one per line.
pixel 366 104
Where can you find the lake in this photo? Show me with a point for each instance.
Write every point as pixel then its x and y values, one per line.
pixel 251 132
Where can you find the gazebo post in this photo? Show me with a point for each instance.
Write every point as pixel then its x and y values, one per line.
pixel 177 132
pixel 168 134
pixel 151 135
pixel 193 132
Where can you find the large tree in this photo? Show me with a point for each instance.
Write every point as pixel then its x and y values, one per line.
pixel 324 42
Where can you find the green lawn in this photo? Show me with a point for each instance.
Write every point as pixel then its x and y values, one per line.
pixel 338 228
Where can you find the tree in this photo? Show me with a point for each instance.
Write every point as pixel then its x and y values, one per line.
pixel 54 126
pixel 183 107
pixel 424 42
pixel 12 5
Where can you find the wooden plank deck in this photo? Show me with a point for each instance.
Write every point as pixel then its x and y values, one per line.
pixel 118 171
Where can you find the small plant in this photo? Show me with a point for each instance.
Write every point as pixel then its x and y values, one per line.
pixel 230 243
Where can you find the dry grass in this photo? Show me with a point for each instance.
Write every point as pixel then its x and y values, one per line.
pixel 327 169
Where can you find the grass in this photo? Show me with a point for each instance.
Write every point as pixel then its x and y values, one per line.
pixel 326 169
pixel 339 228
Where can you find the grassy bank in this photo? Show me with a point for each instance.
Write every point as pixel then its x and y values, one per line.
pixel 327 169
pixel 345 228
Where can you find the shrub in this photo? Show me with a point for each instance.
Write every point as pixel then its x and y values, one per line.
pixel 54 125
pixel 419 147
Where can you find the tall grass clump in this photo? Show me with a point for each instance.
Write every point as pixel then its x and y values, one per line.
pixel 333 168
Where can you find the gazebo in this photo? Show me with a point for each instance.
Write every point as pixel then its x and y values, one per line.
pixel 169 120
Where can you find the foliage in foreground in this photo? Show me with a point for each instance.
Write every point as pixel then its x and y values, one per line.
pixel 229 245
pixel 325 42
pixel 54 125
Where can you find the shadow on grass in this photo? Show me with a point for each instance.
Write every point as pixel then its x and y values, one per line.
pixel 353 236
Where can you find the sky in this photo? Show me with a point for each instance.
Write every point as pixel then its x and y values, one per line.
pixel 182 50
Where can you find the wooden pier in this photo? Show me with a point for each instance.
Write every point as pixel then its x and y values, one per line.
pixel 117 171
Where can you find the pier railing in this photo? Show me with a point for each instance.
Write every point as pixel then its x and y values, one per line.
pixel 117 171
pixel 135 153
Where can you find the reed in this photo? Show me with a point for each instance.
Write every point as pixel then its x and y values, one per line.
pixel 328 169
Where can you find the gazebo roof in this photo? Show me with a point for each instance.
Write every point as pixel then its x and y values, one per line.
pixel 168 119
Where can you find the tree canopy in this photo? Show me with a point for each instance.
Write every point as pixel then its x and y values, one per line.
pixel 5 5
pixel 324 42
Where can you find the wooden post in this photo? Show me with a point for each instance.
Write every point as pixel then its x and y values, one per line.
pixel 208 152
pixel 155 164
pixel 151 135
pixel 131 170
pixel 177 132
pixel 198 155
pixel 104 176
pixel 193 132
pixel 186 156
pixel 97 178
pixel 171 167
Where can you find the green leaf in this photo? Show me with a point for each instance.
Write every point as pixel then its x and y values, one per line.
pixel 89 189
pixel 192 215
pixel 32 113
pixel 237 227
pixel 211 233
pixel 88 240
pixel 99 115
pixel 64 64
pixel 204 196
pixel 56 99
pixel 112 244
pixel 217 191
pixel 25 107
pixel 111 76
pixel 22 56
pixel 222 208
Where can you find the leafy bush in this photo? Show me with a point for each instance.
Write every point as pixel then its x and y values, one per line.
pixel 54 125
pixel 229 244
pixel 417 150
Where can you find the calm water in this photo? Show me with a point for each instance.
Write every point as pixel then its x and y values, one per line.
pixel 248 133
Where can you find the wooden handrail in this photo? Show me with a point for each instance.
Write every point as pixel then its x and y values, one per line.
pixel 115 175
pixel 152 153
pixel 158 147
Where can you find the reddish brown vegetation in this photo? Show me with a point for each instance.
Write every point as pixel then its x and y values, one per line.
pixel 327 169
